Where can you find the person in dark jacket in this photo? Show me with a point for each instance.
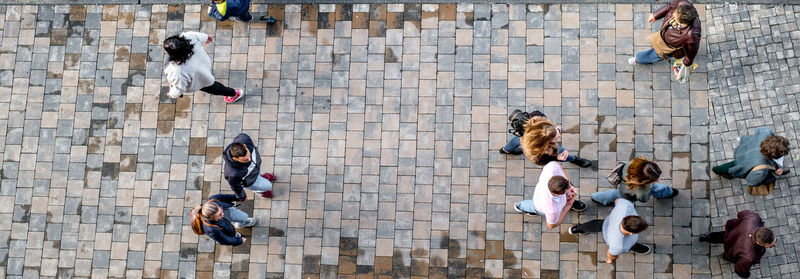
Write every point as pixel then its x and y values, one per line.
pixel 758 158
pixel 242 167
pixel 218 219
pixel 222 10
pixel 744 239
pixel 680 32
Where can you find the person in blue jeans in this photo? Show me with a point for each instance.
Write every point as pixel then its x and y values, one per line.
pixel 218 219
pixel 680 33
pixel 640 181
pixel 539 144
pixel 222 10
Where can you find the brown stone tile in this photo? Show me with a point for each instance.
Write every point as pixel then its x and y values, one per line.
pixel 347 265
pixel 205 274
pixel 494 250
pixel 510 260
pixel 419 267
pixel 377 12
pixel 475 258
pixel 77 12
pixel 138 61
pixel 549 274
pixel 213 154
pixel 58 37
pixel 205 261
pixel 174 12
pixel 348 246
pixel 447 12
pixel 308 12
pixel 197 146
pixel 127 162
pixel 344 12
pixel 111 12
pixel 377 28
pixel 383 266
pixel 474 273
pixel 394 20
pixel 437 272
pixel 360 20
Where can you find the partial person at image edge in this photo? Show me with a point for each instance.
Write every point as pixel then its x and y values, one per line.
pixel 758 158
pixel 222 10
pixel 678 37
pixel 745 240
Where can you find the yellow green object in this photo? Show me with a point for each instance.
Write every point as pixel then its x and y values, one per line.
pixel 222 7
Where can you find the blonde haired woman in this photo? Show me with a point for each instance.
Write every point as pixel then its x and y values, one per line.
pixel 538 143
pixel 640 181
pixel 218 219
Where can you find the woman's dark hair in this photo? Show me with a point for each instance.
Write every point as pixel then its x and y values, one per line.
pixel 179 49
pixel 775 146
pixel 687 14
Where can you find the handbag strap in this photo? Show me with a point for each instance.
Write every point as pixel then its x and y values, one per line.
pixel 761 167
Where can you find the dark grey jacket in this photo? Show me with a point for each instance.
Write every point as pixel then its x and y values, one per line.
pixel 242 175
pixel 748 155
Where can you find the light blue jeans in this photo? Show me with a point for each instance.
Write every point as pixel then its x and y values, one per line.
pixel 261 185
pixel 527 206
pixel 647 57
pixel 235 215
pixel 514 145
pixel 658 191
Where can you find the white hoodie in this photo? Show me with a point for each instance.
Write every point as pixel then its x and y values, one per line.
pixel 193 74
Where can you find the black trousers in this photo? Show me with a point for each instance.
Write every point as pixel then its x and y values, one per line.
pixel 591 226
pixel 716 237
pixel 219 89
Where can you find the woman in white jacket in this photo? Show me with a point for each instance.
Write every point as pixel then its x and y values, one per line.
pixel 188 67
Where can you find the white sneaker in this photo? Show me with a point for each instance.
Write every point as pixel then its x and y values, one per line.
pixel 249 223
pixel 632 61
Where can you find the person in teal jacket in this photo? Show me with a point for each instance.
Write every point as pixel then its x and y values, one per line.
pixel 758 158
pixel 224 9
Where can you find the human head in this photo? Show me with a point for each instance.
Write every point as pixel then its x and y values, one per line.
pixel 539 137
pixel 239 152
pixel 558 185
pixel 178 48
pixel 642 171
pixel 207 211
pixel 764 237
pixel 775 146
pixel 633 225
pixel 685 14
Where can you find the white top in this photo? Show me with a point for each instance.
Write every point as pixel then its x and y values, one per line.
pixel 193 74
pixel 544 202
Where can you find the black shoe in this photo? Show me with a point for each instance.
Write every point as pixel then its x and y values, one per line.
pixel 516 207
pixel 704 237
pixel 640 249
pixel 674 193
pixel 786 172
pixel 575 230
pixel 503 151
pixel 579 206
pixel 581 162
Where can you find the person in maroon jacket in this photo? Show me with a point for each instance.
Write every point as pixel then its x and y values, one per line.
pixel 745 241
pixel 680 33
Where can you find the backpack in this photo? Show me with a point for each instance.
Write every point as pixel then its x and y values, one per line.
pixel 518 118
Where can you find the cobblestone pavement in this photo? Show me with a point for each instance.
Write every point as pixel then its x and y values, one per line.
pixel 753 82
pixel 382 123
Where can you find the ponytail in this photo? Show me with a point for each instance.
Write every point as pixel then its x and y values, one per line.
pixel 197 223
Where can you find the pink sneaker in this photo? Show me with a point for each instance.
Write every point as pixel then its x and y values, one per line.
pixel 269 176
pixel 231 100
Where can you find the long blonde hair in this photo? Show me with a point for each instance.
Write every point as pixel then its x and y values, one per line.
pixel 642 172
pixel 538 138
pixel 200 213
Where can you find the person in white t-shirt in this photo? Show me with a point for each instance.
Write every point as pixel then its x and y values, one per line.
pixel 553 196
